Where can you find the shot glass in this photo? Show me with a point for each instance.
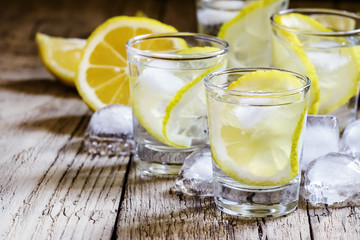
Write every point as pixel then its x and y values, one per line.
pixel 245 25
pixel 212 14
pixel 168 96
pixel 324 45
pixel 256 142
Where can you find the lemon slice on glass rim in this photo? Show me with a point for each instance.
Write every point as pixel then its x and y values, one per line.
pixel 162 105
pixel 266 151
pixel 327 92
pixel 185 118
pixel 248 34
pixel 102 76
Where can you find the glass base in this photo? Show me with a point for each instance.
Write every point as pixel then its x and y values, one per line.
pixel 157 169
pixel 160 160
pixel 247 201
pixel 251 211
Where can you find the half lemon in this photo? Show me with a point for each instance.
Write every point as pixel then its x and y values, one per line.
pixel 102 76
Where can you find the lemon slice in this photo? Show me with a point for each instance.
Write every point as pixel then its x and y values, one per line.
pixel 324 67
pixel 185 120
pixel 60 56
pixel 102 76
pixel 156 93
pixel 248 34
pixel 335 22
pixel 257 141
pixel 152 92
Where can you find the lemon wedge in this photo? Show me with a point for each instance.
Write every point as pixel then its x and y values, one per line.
pixel 60 56
pixel 258 141
pixel 185 120
pixel 248 34
pixel 102 76
pixel 323 60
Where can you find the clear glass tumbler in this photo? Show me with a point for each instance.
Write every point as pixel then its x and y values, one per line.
pixel 168 96
pixel 244 24
pixel 256 138
pixel 323 44
pixel 212 14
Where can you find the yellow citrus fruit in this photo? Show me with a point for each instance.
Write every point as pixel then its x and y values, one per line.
pixel 102 76
pixel 60 56
pixel 185 115
pixel 258 141
pixel 332 68
pixel 248 34
pixel 170 103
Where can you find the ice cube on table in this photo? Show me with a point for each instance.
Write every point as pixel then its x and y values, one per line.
pixel 195 176
pixel 333 179
pixel 321 137
pixel 350 140
pixel 110 131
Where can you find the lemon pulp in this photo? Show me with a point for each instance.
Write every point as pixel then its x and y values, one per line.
pixel 102 76
pixel 60 56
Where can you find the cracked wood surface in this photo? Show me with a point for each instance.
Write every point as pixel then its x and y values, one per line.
pixel 51 189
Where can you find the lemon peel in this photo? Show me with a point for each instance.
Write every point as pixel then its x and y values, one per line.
pixel 102 76
pixel 326 94
pixel 184 99
pixel 246 34
pixel 60 56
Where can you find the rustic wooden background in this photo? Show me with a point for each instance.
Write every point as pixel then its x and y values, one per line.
pixel 51 189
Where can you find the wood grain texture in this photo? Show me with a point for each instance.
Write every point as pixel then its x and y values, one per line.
pixel 48 186
pixel 50 189
pixel 153 209
pixel 341 223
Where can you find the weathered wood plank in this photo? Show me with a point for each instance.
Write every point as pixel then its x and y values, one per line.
pixel 49 189
pixel 152 209
pixel 343 223
pixel 48 185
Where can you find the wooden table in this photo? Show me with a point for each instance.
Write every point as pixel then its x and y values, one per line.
pixel 51 189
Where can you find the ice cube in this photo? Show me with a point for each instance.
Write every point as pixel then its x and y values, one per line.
pixel 321 137
pixel 333 179
pixel 208 16
pixel 250 116
pixel 195 176
pixel 160 80
pixel 328 62
pixel 350 140
pixel 110 131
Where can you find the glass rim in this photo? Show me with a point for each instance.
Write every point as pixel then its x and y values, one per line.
pixel 210 4
pixel 208 84
pixel 172 56
pixel 328 11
